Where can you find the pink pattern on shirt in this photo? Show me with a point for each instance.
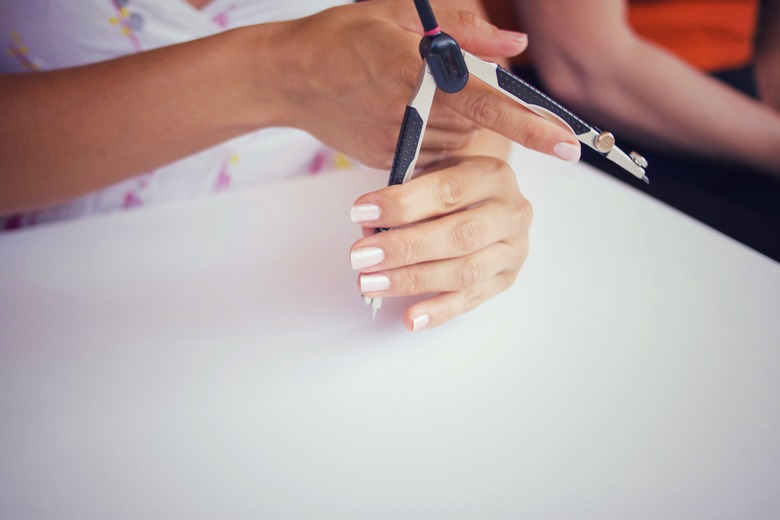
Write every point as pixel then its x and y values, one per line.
pixel 132 200
pixel 318 163
pixel 223 179
pixel 222 17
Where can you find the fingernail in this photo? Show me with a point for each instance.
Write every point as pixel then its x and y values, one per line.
pixel 514 36
pixel 420 322
pixel 374 282
pixel 366 257
pixel 567 151
pixel 364 212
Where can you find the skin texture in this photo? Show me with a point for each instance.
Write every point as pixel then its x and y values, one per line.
pixel 590 59
pixel 460 234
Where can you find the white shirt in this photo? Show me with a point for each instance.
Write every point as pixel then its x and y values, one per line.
pixel 51 34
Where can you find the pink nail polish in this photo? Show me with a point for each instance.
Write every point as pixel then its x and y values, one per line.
pixel 420 322
pixel 374 282
pixel 567 151
pixel 363 257
pixel 364 212
pixel 514 36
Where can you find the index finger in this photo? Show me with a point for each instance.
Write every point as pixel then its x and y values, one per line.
pixel 447 187
pixel 493 110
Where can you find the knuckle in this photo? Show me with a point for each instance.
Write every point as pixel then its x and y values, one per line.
pixel 486 112
pixel 506 279
pixel 472 299
pixel 534 133
pixel 518 255
pixel 448 191
pixel 497 170
pixel 481 108
pixel 525 212
pixel 416 281
pixel 528 211
pixel 470 20
pixel 470 273
pixel 403 201
pixel 411 249
pixel 469 233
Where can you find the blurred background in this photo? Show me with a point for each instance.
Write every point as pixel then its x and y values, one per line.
pixel 693 85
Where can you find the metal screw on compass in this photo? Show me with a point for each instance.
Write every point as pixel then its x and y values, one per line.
pixel 447 67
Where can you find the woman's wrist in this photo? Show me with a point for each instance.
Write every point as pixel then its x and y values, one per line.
pixel 259 73
pixel 274 59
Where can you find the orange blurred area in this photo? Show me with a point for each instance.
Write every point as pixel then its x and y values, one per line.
pixel 709 34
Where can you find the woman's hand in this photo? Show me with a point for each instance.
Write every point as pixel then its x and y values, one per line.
pixel 349 72
pixel 459 229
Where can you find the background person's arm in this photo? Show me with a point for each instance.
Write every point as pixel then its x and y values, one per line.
pixel 67 132
pixel 589 58
pixel 767 63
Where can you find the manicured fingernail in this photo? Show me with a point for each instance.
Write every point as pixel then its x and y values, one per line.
pixel 567 151
pixel 374 282
pixel 364 212
pixel 366 257
pixel 420 322
pixel 514 36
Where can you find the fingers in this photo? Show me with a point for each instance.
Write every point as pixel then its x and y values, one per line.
pixel 447 275
pixel 459 229
pixel 446 306
pixel 448 186
pixel 495 111
pixel 452 236
pixel 462 283
pixel 480 37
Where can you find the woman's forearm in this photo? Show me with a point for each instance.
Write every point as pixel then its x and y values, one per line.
pixel 67 132
pixel 664 102
pixel 343 75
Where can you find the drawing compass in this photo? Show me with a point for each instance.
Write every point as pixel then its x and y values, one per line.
pixel 447 67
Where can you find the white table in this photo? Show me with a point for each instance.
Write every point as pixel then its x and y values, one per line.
pixel 213 359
